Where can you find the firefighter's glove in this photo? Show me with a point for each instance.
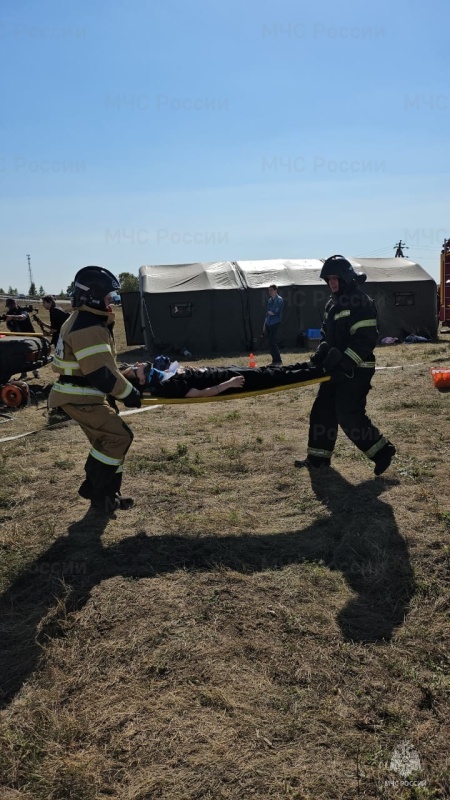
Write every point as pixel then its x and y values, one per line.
pixel 337 374
pixel 334 365
pixel 320 355
pixel 132 400
pixel 332 359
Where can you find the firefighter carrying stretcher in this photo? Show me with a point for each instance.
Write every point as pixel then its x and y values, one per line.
pixel 85 362
pixel 349 335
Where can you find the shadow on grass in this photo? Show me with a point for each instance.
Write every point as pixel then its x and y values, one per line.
pixel 359 538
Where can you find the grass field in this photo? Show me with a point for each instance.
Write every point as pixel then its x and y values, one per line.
pixel 247 630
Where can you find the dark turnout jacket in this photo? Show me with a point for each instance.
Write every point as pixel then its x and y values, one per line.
pixel 350 324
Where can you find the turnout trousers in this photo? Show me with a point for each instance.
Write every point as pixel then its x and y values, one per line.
pixel 110 440
pixel 343 404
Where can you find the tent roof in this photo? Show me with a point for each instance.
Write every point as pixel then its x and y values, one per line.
pixel 189 277
pixel 282 272
pixel 158 279
pixel 391 269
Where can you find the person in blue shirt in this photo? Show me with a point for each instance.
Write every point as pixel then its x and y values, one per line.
pixel 272 323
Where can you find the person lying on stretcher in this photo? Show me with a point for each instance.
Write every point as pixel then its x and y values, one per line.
pixel 211 381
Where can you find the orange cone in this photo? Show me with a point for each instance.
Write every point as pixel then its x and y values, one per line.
pixel 251 360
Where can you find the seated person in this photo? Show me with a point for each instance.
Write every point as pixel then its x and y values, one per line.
pixel 17 318
pixel 212 381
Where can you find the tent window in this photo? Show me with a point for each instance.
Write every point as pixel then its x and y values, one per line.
pixel 178 310
pixel 405 298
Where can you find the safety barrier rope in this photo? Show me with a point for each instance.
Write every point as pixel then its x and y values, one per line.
pixel 403 366
pixel 47 428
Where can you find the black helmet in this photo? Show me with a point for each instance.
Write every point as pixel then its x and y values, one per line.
pixel 91 285
pixel 339 266
pixel 162 363
pixel 10 302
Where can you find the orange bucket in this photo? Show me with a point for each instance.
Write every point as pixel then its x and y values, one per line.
pixel 441 378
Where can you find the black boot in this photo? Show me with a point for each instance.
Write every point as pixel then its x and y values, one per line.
pixel 125 502
pixel 102 487
pixel 86 490
pixel 103 500
pixel 383 458
pixel 108 504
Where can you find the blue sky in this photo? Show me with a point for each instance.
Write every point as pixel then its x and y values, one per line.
pixel 161 131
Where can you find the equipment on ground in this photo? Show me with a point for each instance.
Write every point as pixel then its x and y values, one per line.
pixel 21 354
pixel 15 394
pixel 441 378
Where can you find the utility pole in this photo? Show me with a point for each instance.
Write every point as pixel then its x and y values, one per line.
pixel 29 269
pixel 399 247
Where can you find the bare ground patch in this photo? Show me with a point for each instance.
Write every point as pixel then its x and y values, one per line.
pixel 244 631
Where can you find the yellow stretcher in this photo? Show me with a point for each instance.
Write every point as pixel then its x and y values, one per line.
pixel 157 401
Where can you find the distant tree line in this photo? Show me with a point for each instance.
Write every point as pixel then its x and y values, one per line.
pixel 128 283
pixel 33 292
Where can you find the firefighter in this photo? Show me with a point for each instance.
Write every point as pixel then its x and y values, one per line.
pixel 349 335
pixel 85 362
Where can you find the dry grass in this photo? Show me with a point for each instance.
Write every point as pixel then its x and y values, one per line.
pixel 247 630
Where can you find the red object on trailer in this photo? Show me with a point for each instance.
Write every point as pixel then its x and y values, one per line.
pixel 15 394
pixel 444 306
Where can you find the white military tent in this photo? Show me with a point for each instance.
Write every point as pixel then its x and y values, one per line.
pixel 219 307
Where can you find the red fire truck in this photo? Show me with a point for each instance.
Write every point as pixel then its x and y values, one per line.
pixel 444 305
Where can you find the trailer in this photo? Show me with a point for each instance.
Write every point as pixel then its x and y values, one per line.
pixel 19 354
